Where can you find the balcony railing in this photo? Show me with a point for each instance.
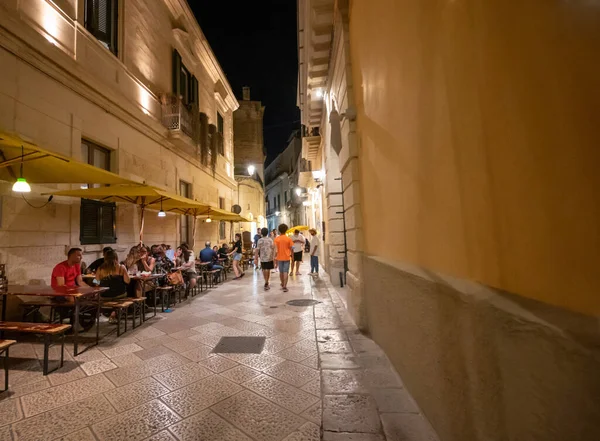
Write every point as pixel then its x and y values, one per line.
pixel 178 116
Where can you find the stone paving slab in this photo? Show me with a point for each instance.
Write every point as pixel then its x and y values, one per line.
pixel 317 377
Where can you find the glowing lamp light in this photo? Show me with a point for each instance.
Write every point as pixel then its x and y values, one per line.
pixel 208 220
pixel 251 170
pixel 319 93
pixel 298 191
pixel 317 175
pixel 277 213
pixel 161 213
pixel 21 186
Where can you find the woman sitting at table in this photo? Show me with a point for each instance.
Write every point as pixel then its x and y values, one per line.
pixel 187 264
pixel 114 276
pixel 138 260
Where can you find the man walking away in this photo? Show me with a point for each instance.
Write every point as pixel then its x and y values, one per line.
pixel 314 249
pixel 257 237
pixel 298 240
pixel 265 250
pixel 283 254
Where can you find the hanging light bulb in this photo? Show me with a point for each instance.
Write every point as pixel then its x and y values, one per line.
pixel 161 213
pixel 21 186
pixel 208 220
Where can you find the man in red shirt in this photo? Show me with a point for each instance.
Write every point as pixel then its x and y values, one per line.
pixel 68 273
pixel 283 254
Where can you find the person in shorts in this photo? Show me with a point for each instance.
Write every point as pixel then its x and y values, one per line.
pixel 265 249
pixel 283 255
pixel 237 256
pixel 299 241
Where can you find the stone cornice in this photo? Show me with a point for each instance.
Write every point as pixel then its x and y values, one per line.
pixel 180 8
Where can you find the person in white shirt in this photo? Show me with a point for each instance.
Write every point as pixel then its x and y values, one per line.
pixel 314 249
pixel 299 241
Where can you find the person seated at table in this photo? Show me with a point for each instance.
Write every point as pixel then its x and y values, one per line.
pixel 114 276
pixel 216 258
pixel 209 255
pixel 163 265
pixel 224 252
pixel 169 252
pixel 139 260
pixel 184 259
pixel 68 272
pixel 96 263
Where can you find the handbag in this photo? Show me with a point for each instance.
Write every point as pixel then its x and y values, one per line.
pixel 175 278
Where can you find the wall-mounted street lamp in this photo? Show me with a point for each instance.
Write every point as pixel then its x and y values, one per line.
pixel 251 169
pixel 298 191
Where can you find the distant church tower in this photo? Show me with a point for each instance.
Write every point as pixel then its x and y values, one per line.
pixel 249 148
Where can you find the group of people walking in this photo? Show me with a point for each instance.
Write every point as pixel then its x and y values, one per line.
pixel 282 252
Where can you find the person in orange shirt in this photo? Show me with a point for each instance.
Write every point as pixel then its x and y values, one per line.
pixel 283 254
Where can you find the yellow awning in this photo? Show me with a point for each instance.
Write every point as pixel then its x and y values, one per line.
pixel 145 196
pixel 299 228
pixel 42 166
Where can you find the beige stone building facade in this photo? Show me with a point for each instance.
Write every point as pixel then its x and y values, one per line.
pixel 463 137
pixel 133 88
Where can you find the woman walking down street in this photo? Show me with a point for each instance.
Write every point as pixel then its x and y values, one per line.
pixel 237 256
pixel 265 250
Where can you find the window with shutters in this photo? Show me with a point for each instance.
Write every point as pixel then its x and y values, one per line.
pixel 222 223
pixel 97 222
pixel 220 128
pixel 185 85
pixel 102 22
pixel 97 219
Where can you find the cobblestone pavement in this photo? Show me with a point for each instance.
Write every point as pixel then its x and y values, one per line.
pixel 162 382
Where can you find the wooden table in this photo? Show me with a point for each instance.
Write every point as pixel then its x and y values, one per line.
pixel 77 293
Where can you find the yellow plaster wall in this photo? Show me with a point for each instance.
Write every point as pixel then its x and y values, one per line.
pixel 482 119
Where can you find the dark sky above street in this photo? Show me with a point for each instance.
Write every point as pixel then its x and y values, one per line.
pixel 255 43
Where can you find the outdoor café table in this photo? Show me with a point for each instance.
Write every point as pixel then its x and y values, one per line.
pixel 77 293
pixel 146 279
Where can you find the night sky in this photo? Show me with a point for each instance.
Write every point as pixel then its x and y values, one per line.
pixel 256 44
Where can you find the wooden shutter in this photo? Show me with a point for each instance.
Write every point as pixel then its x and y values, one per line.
pixel 97 222
pixel 101 21
pixel 107 218
pixel 88 232
pixel 194 90
pixel 176 73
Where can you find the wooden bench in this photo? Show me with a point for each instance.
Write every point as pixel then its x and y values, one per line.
pixel 120 306
pixel 32 306
pixel 139 309
pixel 213 276
pixel 48 330
pixel 4 345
